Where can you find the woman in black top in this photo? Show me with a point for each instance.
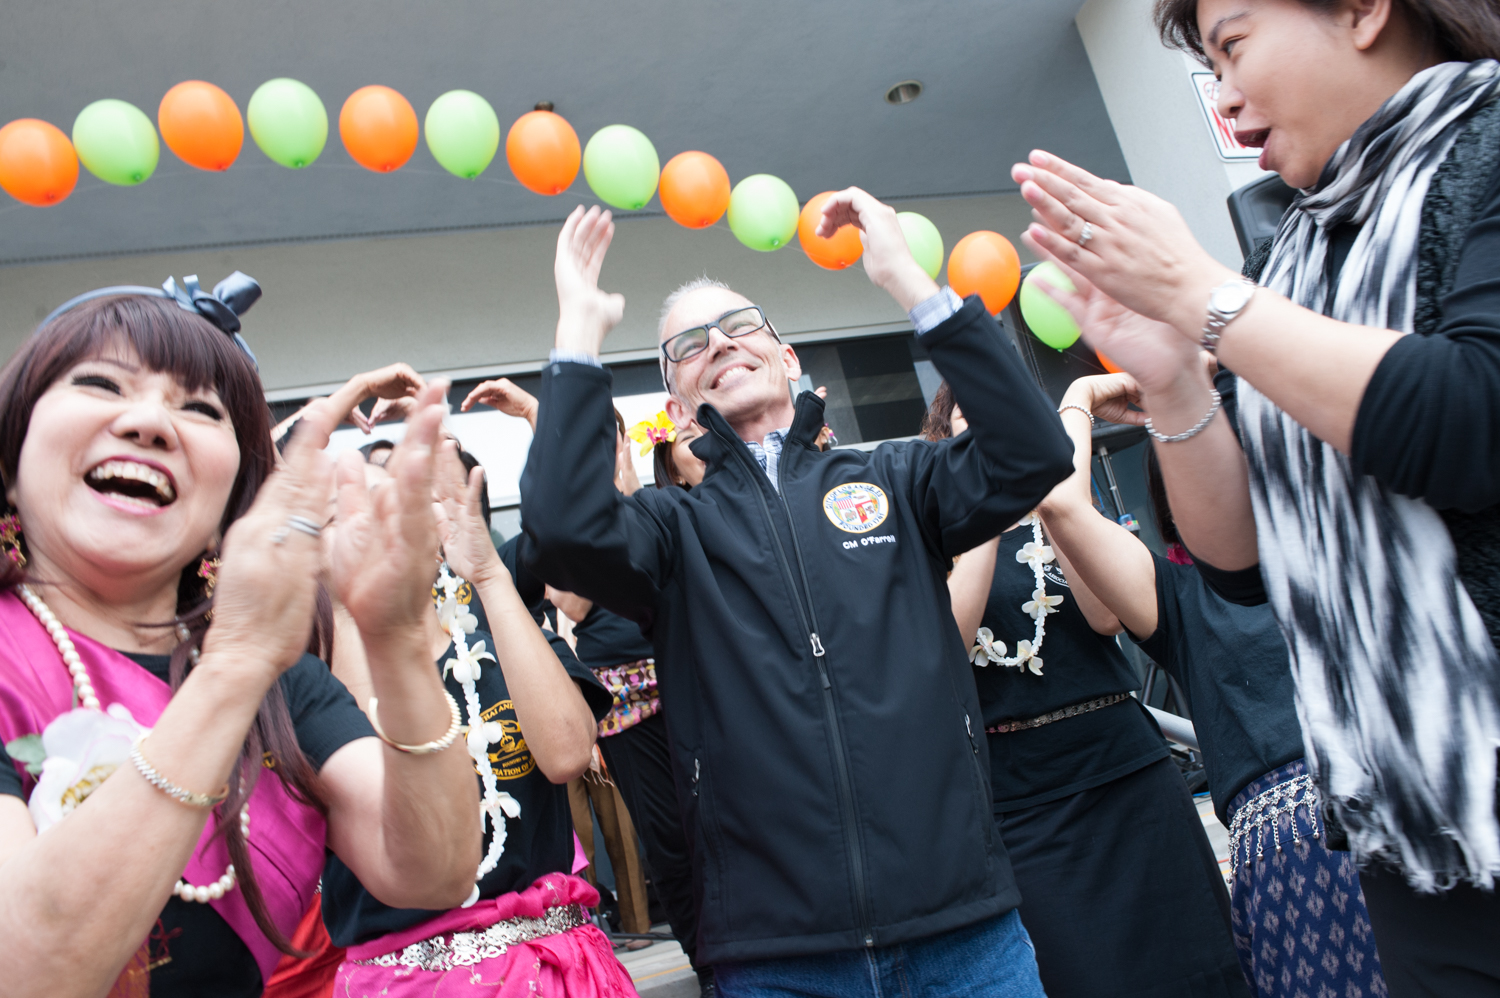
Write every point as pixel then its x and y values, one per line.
pixel 1119 886
pixel 1231 662
pixel 1363 473
pixel 531 716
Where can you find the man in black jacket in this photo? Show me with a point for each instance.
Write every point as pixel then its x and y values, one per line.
pixel 826 732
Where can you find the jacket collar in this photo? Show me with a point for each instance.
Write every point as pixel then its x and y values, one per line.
pixel 717 444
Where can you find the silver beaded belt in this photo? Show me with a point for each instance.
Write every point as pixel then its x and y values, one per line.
pixel 1266 808
pixel 1072 710
pixel 464 949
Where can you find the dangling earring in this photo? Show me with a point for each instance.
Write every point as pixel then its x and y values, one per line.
pixel 10 539
pixel 208 571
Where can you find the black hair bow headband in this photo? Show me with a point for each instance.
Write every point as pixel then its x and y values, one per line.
pixel 230 299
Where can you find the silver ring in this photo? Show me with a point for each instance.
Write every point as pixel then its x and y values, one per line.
pixel 1086 234
pixel 302 523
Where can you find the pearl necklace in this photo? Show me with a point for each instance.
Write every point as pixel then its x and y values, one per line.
pixel 84 694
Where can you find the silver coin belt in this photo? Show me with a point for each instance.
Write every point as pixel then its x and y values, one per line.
pixel 1265 809
pixel 464 949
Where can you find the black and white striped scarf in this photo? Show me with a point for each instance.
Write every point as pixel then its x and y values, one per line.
pixel 1396 675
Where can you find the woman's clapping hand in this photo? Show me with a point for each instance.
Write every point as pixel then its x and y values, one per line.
pixel 465 536
pixel 381 562
pixel 268 574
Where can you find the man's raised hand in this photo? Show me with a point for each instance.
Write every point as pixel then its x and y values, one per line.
pixel 887 258
pixel 586 313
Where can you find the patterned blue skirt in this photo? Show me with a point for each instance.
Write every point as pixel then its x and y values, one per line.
pixel 1298 914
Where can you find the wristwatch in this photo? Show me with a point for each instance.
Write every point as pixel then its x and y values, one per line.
pixel 1225 303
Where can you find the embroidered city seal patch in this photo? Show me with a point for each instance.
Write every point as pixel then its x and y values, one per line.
pixel 856 507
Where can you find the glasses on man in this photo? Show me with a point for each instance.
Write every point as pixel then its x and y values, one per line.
pixel 733 324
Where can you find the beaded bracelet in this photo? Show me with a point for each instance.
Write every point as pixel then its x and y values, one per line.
pixel 1075 405
pixel 436 745
pixel 169 788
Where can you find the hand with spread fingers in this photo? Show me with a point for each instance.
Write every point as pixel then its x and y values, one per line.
pixel 587 313
pixel 465 536
pixel 264 599
pixel 887 258
pixel 502 394
pixel 1131 245
pixel 381 561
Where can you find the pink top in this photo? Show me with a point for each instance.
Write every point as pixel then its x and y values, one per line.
pixel 286 838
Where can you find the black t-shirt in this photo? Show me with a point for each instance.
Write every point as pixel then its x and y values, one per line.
pixel 1232 663
pixel 606 639
pixel 10 776
pixel 193 950
pixel 1062 758
pixel 538 842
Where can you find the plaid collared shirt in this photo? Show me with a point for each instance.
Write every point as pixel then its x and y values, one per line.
pixel 768 453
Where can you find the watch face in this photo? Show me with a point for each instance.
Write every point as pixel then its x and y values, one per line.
pixel 1230 298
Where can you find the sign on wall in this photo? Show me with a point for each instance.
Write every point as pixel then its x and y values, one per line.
pixel 1207 88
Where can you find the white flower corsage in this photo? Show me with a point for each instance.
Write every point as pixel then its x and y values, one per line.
pixel 81 749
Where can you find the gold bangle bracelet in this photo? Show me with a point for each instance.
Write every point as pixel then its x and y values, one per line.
pixel 169 788
pixel 437 745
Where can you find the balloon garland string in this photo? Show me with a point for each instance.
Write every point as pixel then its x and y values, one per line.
pixel 1038 554
pixel 494 805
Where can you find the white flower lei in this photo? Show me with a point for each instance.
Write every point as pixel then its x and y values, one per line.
pixel 495 806
pixel 1038 554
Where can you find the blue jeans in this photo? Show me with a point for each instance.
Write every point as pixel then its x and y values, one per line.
pixel 993 957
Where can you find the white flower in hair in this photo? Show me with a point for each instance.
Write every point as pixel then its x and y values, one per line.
pixel 1041 604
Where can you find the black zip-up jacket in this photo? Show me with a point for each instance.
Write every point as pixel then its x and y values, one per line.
pixel 827 737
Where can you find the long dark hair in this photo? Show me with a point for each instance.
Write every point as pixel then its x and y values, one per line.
pixel 937 424
pixel 170 340
pixel 1460 30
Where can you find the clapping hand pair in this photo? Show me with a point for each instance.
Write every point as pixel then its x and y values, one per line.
pixel 380 563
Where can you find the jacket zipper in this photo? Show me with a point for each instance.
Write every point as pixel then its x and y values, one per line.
pixel 807 615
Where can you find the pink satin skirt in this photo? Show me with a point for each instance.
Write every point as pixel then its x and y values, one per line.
pixel 577 963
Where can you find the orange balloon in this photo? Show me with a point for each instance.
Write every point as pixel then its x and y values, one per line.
pixel 694 189
pixel 985 263
pixel 1108 364
pixel 201 124
pixel 37 163
pixel 379 128
pixel 543 152
pixel 834 253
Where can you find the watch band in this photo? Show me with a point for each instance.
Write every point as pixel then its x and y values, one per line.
pixel 1213 328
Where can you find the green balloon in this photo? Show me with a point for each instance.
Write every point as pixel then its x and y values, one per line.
pixel 763 212
pixel 1048 321
pixel 116 142
pixel 462 132
pixel 924 241
pixel 288 121
pixel 620 165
